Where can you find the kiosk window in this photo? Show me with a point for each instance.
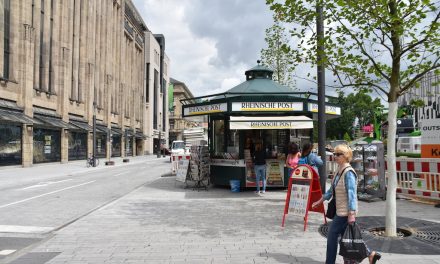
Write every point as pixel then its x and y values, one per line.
pixel 219 132
pixel 234 143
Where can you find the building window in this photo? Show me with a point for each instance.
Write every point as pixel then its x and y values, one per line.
pixel 155 101
pixel 51 80
pixel 6 40
pixel 147 88
pixel 10 144
pixel 41 63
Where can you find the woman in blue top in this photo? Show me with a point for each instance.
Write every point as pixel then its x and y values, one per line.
pixel 309 158
pixel 344 184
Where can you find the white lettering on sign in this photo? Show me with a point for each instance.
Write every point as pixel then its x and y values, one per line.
pixel 271 124
pixel 329 109
pixel 205 109
pixel 267 106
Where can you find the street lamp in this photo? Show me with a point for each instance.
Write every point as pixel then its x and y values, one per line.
pixel 94 134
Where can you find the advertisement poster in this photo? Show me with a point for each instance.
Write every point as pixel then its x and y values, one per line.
pixel 298 199
pixel 47 149
pixel 275 173
pixel 182 170
pixel 47 144
pixel 249 169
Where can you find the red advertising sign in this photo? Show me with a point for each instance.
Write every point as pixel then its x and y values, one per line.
pixel 303 190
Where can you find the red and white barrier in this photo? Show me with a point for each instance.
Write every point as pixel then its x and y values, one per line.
pixel 418 177
pixel 175 161
pixel 331 165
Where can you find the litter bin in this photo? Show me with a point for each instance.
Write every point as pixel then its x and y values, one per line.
pixel 235 185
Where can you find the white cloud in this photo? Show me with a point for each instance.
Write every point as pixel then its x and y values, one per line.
pixel 210 43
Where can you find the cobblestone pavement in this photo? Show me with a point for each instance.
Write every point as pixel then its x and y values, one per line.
pixel 162 222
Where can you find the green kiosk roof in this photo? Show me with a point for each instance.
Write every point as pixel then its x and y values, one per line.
pixel 259 80
pixel 258 95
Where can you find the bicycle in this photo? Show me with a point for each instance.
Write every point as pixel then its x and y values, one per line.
pixel 90 161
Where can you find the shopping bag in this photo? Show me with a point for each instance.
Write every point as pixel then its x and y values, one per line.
pixel 331 209
pixel 351 245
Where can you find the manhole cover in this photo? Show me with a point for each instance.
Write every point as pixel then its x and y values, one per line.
pixel 414 236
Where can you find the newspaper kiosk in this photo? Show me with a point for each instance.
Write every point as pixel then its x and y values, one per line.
pixel 257 110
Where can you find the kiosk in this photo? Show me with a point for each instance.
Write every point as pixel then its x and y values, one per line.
pixel 257 110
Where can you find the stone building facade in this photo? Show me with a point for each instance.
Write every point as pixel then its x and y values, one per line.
pixel 177 123
pixel 64 62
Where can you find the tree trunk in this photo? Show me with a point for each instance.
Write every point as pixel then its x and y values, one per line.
pixel 390 218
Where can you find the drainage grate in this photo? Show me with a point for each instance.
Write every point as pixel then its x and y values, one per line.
pixel 415 236
pixel 431 237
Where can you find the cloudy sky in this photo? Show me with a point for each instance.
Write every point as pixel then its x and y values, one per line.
pixel 210 42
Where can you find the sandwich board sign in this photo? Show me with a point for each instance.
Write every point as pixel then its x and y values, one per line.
pixel 303 190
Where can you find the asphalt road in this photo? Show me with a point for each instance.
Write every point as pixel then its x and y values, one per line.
pixel 33 206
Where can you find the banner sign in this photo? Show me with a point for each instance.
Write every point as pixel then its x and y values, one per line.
pixel 329 109
pixel 271 125
pixel 204 109
pixel 267 106
pixel 430 129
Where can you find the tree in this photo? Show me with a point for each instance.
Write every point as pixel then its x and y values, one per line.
pixel 385 46
pixel 357 105
pixel 347 137
pixel 336 128
pixel 275 56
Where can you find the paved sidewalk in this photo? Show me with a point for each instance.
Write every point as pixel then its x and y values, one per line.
pixel 163 223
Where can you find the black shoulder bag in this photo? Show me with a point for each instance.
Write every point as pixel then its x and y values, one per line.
pixel 331 207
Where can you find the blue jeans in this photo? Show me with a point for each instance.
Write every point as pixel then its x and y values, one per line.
pixel 337 228
pixel 260 173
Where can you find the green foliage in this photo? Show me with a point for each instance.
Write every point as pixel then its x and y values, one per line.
pixel 276 55
pixel 347 137
pixel 359 106
pixel 384 46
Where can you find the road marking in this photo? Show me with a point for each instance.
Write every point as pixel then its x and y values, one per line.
pixel 41 195
pixel 6 252
pixel 42 184
pixel 119 174
pixel 24 229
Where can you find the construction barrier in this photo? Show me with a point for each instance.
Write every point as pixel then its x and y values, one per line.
pixel 331 165
pixel 175 161
pixel 418 177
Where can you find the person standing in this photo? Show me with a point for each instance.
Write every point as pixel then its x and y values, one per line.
pixel 344 185
pixel 310 158
pixel 292 157
pixel 260 167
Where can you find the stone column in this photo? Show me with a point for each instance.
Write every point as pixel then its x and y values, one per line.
pixel 64 145
pixel 27 143
pixel 27 93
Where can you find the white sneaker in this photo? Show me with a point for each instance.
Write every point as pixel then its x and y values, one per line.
pixel 257 192
pixel 263 192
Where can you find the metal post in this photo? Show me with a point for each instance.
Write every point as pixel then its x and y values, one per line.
pixel 321 94
pixel 94 134
pixel 158 149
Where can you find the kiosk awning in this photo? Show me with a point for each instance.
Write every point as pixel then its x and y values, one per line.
pixel 270 122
